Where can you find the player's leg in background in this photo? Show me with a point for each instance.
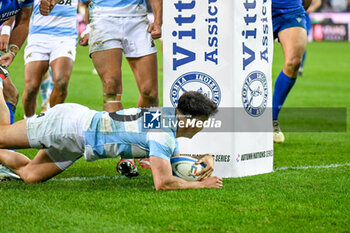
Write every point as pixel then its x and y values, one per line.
pixel 37 170
pixel 308 29
pixel 107 58
pixel 11 97
pixel 108 65
pixel 293 41
pixel 301 68
pixel 61 71
pixel 46 87
pixel 141 53
pixel 146 75
pixel 62 57
pixel 33 74
pixel 161 47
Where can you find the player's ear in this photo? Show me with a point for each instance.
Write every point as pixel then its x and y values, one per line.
pixel 179 115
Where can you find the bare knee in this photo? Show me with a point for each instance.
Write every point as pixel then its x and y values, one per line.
pixel 149 93
pixel 31 90
pixel 61 84
pixel 111 84
pixel 293 64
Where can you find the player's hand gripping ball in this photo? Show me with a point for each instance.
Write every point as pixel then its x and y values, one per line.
pixel 185 168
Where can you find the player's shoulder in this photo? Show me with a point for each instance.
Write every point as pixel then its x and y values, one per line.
pixel 162 144
pixel 163 137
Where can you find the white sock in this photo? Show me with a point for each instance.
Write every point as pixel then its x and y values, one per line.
pixel 25 117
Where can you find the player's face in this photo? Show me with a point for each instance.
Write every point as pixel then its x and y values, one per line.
pixel 198 126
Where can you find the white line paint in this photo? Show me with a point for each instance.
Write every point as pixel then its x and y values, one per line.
pixel 312 167
pixel 118 177
pixel 78 178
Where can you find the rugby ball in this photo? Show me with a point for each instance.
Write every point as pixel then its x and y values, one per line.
pixel 184 167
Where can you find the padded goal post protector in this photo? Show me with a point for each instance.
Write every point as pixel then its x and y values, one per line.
pixel 224 49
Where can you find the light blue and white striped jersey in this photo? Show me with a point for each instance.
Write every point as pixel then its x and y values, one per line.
pixel 122 133
pixel 61 22
pixel 117 8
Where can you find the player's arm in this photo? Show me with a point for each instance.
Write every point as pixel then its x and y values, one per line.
pixel 87 13
pixel 315 4
pixel 306 4
pixel 18 36
pixel 5 33
pixel 164 180
pixel 156 27
pixel 85 35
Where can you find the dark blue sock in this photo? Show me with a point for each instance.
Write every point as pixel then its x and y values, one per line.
pixel 12 109
pixel 283 86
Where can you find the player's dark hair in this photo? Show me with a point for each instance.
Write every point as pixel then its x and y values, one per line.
pixel 196 104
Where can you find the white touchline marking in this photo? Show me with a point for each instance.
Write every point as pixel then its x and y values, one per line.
pixel 104 177
pixel 312 167
pixel 79 178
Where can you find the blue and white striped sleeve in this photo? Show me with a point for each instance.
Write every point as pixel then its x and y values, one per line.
pixel 176 150
pixel 161 145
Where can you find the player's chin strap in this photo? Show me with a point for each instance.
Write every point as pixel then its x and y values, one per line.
pixel 112 98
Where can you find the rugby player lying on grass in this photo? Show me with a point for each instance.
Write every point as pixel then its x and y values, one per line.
pixel 68 131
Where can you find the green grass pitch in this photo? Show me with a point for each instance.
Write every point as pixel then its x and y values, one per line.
pixel 302 195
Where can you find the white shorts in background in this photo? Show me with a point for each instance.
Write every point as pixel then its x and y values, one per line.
pixel 60 132
pixel 50 50
pixel 127 33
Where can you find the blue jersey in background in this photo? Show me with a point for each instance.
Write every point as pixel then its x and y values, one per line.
pixel 287 14
pixel 9 8
pixel 280 7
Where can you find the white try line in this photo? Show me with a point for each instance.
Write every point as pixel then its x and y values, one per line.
pixel 119 177
pixel 312 167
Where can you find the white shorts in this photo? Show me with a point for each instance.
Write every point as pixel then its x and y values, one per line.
pixel 60 132
pixel 127 33
pixel 49 51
